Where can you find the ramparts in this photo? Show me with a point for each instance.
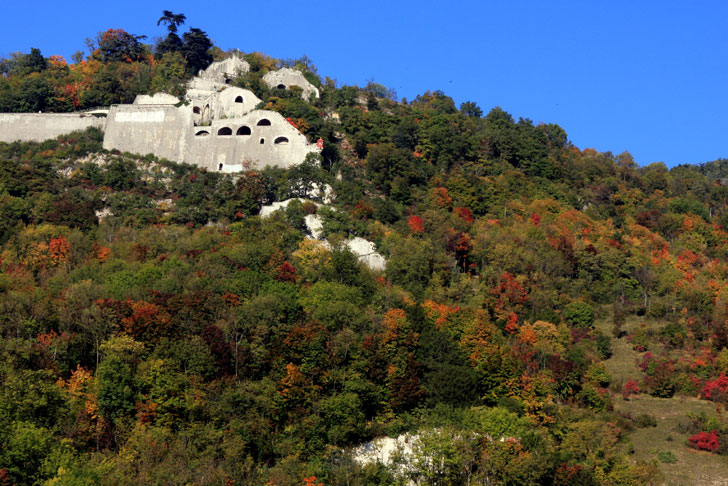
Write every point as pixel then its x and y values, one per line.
pixel 27 127
pixel 216 126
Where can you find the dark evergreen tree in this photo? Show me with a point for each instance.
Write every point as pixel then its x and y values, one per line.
pixel 196 49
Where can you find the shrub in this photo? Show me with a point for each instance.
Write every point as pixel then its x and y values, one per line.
pixel 705 441
pixel 579 314
pixel 666 457
pixel 646 420
pixel 631 387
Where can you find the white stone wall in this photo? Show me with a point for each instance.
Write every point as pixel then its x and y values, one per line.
pixel 37 127
pixel 271 141
pixel 156 99
pixel 287 77
pixel 225 70
pixel 233 102
pixel 149 129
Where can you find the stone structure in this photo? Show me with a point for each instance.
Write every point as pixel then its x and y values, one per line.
pixel 156 99
pixel 216 126
pixel 28 127
pixel 286 78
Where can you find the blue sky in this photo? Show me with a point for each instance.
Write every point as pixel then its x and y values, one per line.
pixel 650 78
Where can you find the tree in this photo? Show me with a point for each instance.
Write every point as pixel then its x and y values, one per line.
pixel 196 49
pixel 172 43
pixel 471 109
pixel 172 20
pixel 119 45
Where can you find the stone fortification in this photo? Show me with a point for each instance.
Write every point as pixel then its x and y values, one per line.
pixel 27 127
pixel 286 78
pixel 149 129
pixel 156 99
pixel 224 71
pixel 216 126
pixel 257 139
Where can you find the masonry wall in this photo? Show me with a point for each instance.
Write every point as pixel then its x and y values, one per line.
pixel 42 126
pixel 210 147
pixel 149 129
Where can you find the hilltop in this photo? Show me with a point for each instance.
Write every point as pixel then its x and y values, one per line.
pixel 548 314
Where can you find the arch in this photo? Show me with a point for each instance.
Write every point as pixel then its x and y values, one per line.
pixel 262 141
pixel 225 131
pixel 196 110
pixel 219 167
pixel 280 141
pixel 281 86
pixel 238 99
pixel 264 122
pixel 244 130
pixel 202 133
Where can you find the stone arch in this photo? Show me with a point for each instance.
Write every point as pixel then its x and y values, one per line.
pixel 280 141
pixel 281 86
pixel 238 99
pixel 224 131
pixel 262 141
pixel 219 167
pixel 244 130
pixel 202 133
pixel 196 110
pixel 264 122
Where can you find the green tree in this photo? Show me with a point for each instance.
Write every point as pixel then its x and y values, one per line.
pixel 196 49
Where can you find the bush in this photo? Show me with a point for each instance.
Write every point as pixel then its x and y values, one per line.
pixel 646 420
pixel 580 315
pixel 666 457
pixel 705 441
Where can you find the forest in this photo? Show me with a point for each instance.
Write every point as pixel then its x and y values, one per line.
pixel 548 314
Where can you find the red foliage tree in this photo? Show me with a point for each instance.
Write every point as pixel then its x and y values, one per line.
pixel 285 272
pixel 464 213
pixel 415 224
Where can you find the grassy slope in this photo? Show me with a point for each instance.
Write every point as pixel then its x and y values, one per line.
pixel 692 467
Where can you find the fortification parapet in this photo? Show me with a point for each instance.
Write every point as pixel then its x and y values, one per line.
pixel 224 71
pixel 287 77
pixel 27 127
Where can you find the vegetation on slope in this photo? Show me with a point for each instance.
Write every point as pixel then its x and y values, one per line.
pixel 154 329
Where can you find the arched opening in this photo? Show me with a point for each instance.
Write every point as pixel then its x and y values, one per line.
pixel 281 86
pixel 219 167
pixel 238 99
pixel 225 131
pixel 202 133
pixel 262 141
pixel 244 130
pixel 280 141
pixel 196 110
pixel 264 122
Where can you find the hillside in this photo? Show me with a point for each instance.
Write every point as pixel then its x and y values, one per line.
pixel 548 314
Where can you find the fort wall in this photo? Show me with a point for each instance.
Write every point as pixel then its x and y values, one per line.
pixel 27 127
pixel 155 129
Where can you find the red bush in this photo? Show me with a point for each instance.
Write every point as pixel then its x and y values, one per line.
pixel 631 387
pixel 720 384
pixel 705 441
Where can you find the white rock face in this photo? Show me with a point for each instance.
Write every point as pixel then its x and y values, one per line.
pixel 315 225
pixel 382 449
pixel 367 253
pixel 269 209
pixel 365 250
